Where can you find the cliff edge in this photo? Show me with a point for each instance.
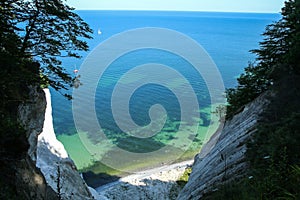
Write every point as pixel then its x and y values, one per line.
pixel 225 161
pixel 46 172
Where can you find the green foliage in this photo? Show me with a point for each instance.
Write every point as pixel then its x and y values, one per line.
pixel 244 189
pixel 34 36
pixel 280 49
pixel 180 183
pixel 277 57
pixel 251 84
pixel 275 147
pixel 253 188
pixel 185 177
pixel 44 31
pixel 274 151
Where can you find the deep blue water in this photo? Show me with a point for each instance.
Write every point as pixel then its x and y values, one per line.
pixel 227 37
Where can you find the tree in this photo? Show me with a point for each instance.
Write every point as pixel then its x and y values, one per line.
pixel 273 151
pixel 253 82
pixel 220 112
pixel 280 48
pixel 48 30
pixel 277 58
pixel 34 36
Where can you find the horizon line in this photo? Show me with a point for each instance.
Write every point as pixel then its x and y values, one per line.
pixel 254 12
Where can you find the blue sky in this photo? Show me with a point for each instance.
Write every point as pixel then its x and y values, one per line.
pixel 265 6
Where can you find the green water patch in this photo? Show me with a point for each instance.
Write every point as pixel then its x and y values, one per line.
pixel 76 150
pixel 132 78
pixel 91 156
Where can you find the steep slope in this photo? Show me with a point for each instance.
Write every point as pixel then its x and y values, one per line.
pixel 53 160
pixel 37 173
pixel 226 159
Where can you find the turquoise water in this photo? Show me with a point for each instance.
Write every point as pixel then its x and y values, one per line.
pixel 227 37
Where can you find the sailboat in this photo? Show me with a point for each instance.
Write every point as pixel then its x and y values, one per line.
pixel 99 31
pixel 75 70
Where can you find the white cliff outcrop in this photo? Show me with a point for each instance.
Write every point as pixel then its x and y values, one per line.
pixel 46 172
pixel 225 161
pixel 53 160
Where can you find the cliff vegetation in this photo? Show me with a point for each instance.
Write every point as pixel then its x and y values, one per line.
pixel 34 36
pixel 274 150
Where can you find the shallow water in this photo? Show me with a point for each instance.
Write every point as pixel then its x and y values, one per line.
pixel 227 37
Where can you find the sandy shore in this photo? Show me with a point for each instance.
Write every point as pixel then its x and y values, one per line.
pixel 148 181
pixel 159 171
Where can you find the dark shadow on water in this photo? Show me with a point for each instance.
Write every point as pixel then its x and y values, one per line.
pixel 97 180
pixel 205 118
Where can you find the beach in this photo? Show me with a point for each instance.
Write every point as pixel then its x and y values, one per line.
pixel 149 182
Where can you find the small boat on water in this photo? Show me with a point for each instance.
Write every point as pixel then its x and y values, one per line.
pixel 99 31
pixel 75 70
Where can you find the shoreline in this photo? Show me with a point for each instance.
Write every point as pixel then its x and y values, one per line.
pixel 157 173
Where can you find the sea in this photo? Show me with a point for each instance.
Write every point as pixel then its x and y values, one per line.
pixel 227 38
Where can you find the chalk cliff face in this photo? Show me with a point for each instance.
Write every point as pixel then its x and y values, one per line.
pixel 222 159
pixel 47 172
pixel 53 161
pixel 31 183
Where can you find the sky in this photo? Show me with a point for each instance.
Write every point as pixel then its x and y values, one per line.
pixel 260 6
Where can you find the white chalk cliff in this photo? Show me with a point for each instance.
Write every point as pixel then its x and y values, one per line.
pixel 225 161
pixel 47 172
pixel 221 160
pixel 53 158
